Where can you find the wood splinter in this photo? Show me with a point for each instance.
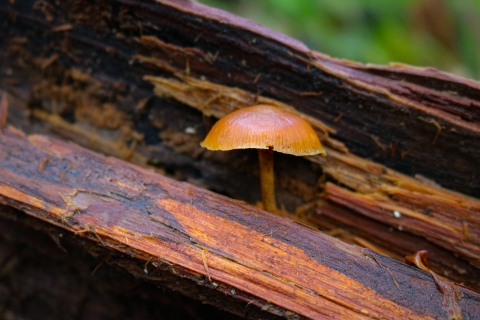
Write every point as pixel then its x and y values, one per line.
pixel 437 125
pixel 450 293
pixel 205 264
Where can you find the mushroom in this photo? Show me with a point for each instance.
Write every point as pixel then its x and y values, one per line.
pixel 265 128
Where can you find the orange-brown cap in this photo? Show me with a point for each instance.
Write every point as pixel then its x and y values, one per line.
pixel 264 127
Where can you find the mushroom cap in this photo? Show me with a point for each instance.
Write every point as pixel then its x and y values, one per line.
pixel 264 127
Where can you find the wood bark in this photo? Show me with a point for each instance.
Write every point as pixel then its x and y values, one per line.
pixel 218 243
pixel 142 81
pixel 48 273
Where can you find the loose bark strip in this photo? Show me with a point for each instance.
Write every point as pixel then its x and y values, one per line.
pixel 275 259
pixel 443 233
pixel 450 292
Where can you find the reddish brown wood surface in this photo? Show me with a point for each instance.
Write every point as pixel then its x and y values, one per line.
pixel 135 80
pixel 431 117
pixel 221 243
pixel 48 273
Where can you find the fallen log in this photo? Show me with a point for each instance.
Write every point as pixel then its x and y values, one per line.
pixel 47 51
pixel 140 80
pixel 220 244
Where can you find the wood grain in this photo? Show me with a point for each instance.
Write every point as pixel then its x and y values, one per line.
pixel 165 222
pixel 138 80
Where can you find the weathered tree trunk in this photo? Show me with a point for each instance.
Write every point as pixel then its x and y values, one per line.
pixel 140 81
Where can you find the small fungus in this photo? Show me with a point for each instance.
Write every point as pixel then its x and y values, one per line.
pixel 267 129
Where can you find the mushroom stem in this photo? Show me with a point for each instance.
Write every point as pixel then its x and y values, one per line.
pixel 267 180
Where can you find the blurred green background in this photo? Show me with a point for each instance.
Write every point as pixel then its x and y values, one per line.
pixel 444 34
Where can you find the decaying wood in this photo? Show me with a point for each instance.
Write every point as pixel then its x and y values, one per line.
pixel 91 72
pixel 140 80
pixel 221 244
pixel 445 218
pixel 46 272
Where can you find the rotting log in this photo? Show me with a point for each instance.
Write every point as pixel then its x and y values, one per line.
pixel 138 80
pixel 48 273
pixel 222 245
